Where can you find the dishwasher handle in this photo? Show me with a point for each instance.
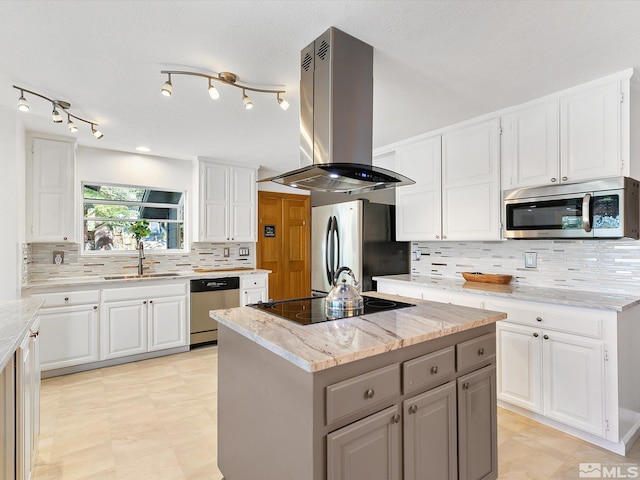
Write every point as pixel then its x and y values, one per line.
pixel 215 284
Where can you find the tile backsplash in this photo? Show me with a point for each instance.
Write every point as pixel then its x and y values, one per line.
pixel 38 260
pixel 593 265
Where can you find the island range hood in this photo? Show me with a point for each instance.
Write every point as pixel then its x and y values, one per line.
pixel 336 119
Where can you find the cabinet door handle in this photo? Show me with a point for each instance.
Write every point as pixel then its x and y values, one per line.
pixel 64 238
pixel 444 236
pixel 539 319
pixel 144 303
pixel 437 236
pixel 95 307
pixel 465 386
pixel 480 351
pixel 369 393
pixel 564 179
pixel 395 418
pixel 554 179
pixel 413 408
pixel 150 301
pixel 546 337
pixel 535 334
pixel 434 370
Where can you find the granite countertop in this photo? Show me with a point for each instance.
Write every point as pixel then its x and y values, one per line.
pixel 16 317
pixel 574 298
pixel 324 345
pixel 132 277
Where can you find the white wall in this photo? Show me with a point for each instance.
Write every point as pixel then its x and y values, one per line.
pixel 12 198
pixel 109 166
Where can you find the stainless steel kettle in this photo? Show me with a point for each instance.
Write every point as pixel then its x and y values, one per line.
pixel 344 300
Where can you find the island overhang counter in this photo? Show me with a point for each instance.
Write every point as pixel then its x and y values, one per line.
pixel 361 397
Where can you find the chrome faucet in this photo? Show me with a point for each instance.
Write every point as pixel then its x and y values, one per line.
pixel 140 257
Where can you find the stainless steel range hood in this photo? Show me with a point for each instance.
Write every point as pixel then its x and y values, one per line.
pixel 336 119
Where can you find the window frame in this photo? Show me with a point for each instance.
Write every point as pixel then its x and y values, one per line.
pixel 181 206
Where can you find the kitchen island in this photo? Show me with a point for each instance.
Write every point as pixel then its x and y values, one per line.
pixel 409 390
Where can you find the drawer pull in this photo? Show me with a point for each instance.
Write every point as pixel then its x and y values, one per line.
pixel 395 418
pixel 539 319
pixel 465 386
pixel 369 393
pixel 413 409
pixel 434 370
pixel 481 351
pixel 66 299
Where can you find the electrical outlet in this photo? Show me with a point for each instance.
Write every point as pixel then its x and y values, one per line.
pixel 58 258
pixel 530 260
pixel 226 252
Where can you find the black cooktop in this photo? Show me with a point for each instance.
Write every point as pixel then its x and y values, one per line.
pixel 311 309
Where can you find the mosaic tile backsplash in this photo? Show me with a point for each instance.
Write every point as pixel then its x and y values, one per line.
pixel 596 265
pixel 38 260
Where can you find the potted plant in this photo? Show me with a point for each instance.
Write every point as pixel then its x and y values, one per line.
pixel 140 229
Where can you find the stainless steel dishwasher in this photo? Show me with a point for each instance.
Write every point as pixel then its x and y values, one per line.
pixel 211 294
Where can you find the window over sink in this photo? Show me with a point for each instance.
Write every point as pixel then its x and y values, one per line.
pixel 111 214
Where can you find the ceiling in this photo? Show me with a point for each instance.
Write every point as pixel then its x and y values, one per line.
pixel 436 63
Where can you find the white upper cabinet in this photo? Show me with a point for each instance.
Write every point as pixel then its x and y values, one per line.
pixel 531 146
pixel 227 203
pixel 418 206
pixel 579 134
pixel 50 194
pixel 590 128
pixel 471 182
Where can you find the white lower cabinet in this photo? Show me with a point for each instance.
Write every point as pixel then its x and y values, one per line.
pixel 27 403
pixel 124 328
pixel 68 328
pixel 8 421
pixel 253 289
pixel 141 319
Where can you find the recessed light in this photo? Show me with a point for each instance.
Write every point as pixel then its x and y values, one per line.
pixel 143 149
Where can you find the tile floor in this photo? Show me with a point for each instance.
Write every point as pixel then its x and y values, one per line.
pixel 156 419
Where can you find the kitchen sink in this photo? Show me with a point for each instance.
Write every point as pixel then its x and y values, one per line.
pixel 144 275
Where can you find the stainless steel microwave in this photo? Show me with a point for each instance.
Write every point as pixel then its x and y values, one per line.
pixel 606 208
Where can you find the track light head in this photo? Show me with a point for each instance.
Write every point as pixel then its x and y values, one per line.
pixel 167 88
pixel 96 133
pixel 248 104
pixel 72 126
pixel 283 103
pixel 55 115
pixel 23 105
pixel 213 91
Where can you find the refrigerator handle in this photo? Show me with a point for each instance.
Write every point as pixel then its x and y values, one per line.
pixel 338 248
pixel 328 254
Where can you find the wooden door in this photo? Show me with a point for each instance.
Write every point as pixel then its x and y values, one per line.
pixel 283 247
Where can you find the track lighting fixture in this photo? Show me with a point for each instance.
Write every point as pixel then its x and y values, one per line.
pixel 56 116
pixel 213 91
pixel 72 126
pixel 23 105
pixel 248 104
pixel 96 133
pixel 167 88
pixel 226 78
pixel 283 103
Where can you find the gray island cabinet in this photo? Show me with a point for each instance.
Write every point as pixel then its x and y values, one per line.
pixel 403 394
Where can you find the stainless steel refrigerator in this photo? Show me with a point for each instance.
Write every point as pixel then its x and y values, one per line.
pixel 359 235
